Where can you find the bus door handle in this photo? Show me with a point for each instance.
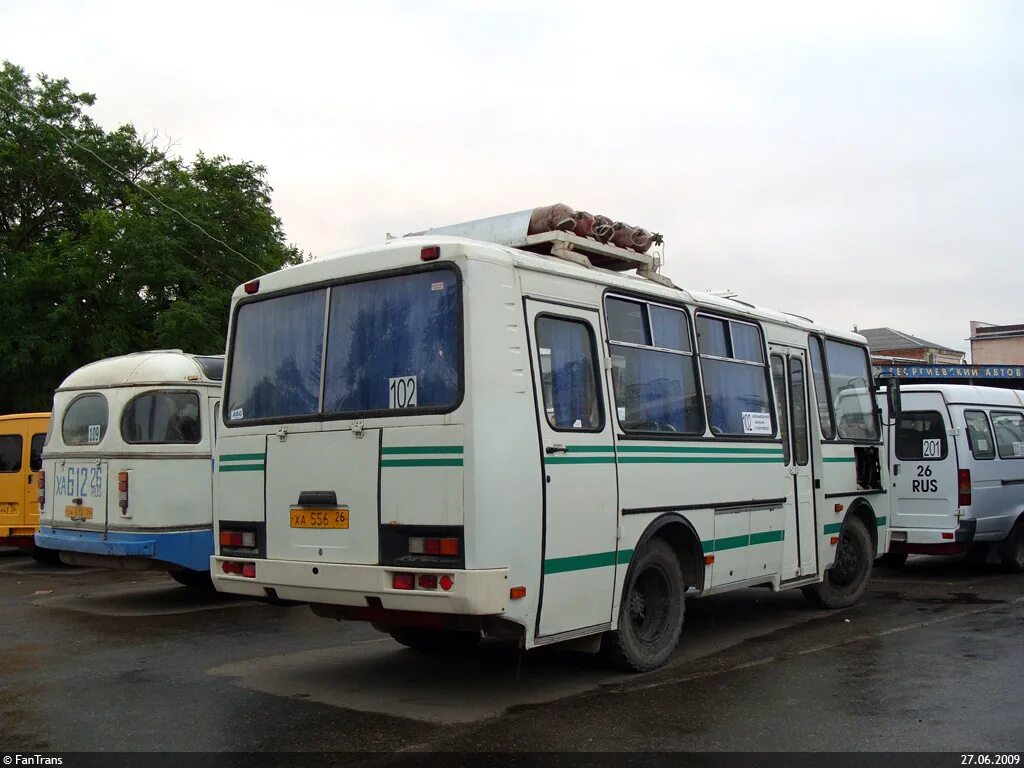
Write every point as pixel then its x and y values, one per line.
pixel 555 448
pixel 895 470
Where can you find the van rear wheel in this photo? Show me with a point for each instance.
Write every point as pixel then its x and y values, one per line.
pixel 847 580
pixel 651 612
pixel 1012 549
pixel 436 640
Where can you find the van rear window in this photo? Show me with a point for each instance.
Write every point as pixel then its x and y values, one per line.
pixel 85 420
pixel 163 418
pixel 10 453
pixel 921 436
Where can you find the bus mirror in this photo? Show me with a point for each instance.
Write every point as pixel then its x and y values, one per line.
pixel 893 398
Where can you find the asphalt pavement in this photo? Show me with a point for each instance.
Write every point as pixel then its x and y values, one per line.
pixel 90 660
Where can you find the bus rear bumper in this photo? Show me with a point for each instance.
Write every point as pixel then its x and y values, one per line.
pixel 186 549
pixel 473 592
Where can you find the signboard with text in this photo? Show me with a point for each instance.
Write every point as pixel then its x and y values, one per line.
pixel 1002 372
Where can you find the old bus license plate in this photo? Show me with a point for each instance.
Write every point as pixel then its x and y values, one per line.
pixel 319 518
pixel 8 509
pixel 78 513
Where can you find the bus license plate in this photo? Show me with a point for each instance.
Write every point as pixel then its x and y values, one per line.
pixel 8 509
pixel 319 518
pixel 78 513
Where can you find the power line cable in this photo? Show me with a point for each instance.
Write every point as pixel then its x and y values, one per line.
pixel 134 183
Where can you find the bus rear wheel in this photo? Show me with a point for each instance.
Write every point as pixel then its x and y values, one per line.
pixel 1011 555
pixel 436 640
pixel 199 581
pixel 651 612
pixel 847 580
pixel 892 560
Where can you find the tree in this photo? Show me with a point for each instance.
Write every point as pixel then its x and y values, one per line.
pixel 96 255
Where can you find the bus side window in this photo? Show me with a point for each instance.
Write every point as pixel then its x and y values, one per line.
pixel 568 364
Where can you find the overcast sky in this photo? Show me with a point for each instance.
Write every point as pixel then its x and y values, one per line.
pixel 859 163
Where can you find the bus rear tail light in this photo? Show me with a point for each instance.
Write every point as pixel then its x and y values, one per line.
pixel 427 581
pixel 963 483
pixel 41 485
pixel 248 570
pixel 238 539
pixel 253 286
pixel 122 492
pixel 403 581
pixel 430 253
pixel 446 582
pixel 434 546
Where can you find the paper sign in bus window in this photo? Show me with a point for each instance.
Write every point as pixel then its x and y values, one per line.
pixel 756 423
pixel 402 392
pixel 931 448
pixel 94 433
pixel 1018 449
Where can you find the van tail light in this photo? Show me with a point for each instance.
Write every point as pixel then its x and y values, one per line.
pixel 41 485
pixel 122 492
pixel 963 483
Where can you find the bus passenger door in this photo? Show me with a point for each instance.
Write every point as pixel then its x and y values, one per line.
pixel 789 375
pixel 579 547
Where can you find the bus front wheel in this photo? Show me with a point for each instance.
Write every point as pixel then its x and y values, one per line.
pixel 847 580
pixel 651 613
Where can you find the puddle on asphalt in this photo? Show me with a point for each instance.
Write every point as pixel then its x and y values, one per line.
pixel 145 600
pixel 383 677
pixel 953 598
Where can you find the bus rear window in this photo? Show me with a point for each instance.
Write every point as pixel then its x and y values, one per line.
pixel 10 453
pixel 85 420
pixel 391 343
pixel 162 418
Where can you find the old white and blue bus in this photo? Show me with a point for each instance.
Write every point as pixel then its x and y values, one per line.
pixel 127 465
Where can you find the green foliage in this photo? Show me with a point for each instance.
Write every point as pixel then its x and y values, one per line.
pixel 93 266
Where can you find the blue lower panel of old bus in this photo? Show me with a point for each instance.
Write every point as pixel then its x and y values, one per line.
pixel 187 549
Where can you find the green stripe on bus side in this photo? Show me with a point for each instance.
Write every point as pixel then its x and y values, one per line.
pixel 839 459
pixel 695 449
pixel 589 448
pixel 584 562
pixel 735 542
pixel 421 462
pixel 836 527
pixel 422 449
pixel 243 457
pixel 241 468
pixel 700 459
pixel 579 460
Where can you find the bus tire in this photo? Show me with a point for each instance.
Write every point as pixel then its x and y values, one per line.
pixel 847 580
pixel 892 560
pixel 199 581
pixel 651 612
pixel 1011 550
pixel 436 640
pixel 46 556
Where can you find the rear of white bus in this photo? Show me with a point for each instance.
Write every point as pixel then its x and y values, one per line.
pixel 341 460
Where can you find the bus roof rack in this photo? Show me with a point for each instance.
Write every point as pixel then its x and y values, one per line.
pixel 569 234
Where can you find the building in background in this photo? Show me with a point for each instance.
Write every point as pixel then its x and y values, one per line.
pixel 997 357
pixel 889 346
pixel 996 344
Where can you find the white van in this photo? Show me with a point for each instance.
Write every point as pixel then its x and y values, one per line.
pixel 446 436
pixel 957 465
pixel 127 465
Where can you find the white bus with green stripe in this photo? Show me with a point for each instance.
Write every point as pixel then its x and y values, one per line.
pixel 478 432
